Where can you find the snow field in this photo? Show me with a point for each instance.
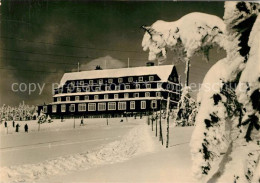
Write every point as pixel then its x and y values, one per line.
pixel 138 141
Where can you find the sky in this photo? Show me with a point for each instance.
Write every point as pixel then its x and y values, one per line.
pixel 40 41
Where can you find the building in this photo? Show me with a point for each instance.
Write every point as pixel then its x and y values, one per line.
pixel 115 92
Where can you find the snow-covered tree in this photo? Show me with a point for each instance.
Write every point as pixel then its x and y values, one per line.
pixel 224 143
pixel 42 117
pixel 186 110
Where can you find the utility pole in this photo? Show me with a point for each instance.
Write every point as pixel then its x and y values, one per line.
pixel 187 71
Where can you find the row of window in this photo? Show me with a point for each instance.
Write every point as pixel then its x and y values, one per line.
pixel 119 80
pixel 116 96
pixel 71 88
pixel 100 106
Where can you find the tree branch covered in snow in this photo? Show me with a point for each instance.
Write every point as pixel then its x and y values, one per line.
pixel 228 113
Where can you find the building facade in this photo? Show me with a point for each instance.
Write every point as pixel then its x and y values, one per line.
pixel 115 92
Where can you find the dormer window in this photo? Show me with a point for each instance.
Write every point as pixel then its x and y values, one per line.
pixel 100 81
pixel 81 83
pixel 130 79
pixel 110 80
pixel 140 79
pixel 120 80
pixel 151 78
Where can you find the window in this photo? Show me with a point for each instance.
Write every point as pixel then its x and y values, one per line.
pixel 59 99
pixel 60 90
pixel 153 104
pixel 45 109
pixel 77 98
pixel 110 80
pixel 105 96
pixel 120 80
pixel 137 86
pixel 111 106
pixel 67 98
pixel 147 94
pixel 132 105
pixel 158 94
pixel 151 78
pixel 130 79
pixel 96 97
pixel 86 97
pixel 97 88
pixel 88 89
pixel 126 95
pixel 78 89
pixel 72 83
pixel 102 106
pixel 54 108
pixel 81 83
pixel 72 107
pixel 148 85
pixel 143 104
pixel 100 81
pixel 117 87
pixel 127 87
pixel 91 82
pixel 175 79
pixel 140 79
pixel 107 88
pixel 136 95
pixel 159 85
pixel 91 107
pixel 121 105
pixel 82 107
pixel 63 108
pixel 115 96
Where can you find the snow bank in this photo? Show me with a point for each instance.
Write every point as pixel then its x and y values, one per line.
pixel 136 142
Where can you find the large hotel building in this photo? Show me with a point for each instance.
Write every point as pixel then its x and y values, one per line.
pixel 115 92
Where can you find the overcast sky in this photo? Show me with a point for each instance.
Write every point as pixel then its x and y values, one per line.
pixel 40 41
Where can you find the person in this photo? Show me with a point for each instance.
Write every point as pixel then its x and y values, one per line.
pixel 26 128
pixel 13 124
pixel 5 124
pixel 81 122
pixel 17 127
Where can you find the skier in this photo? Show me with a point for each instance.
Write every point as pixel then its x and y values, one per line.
pixel 5 124
pixel 17 127
pixel 26 128
pixel 13 124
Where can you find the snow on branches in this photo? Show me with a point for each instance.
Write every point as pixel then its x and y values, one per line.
pixel 194 32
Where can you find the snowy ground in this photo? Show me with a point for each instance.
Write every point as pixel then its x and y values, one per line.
pixel 125 152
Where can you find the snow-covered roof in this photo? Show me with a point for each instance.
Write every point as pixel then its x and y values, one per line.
pixel 162 71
